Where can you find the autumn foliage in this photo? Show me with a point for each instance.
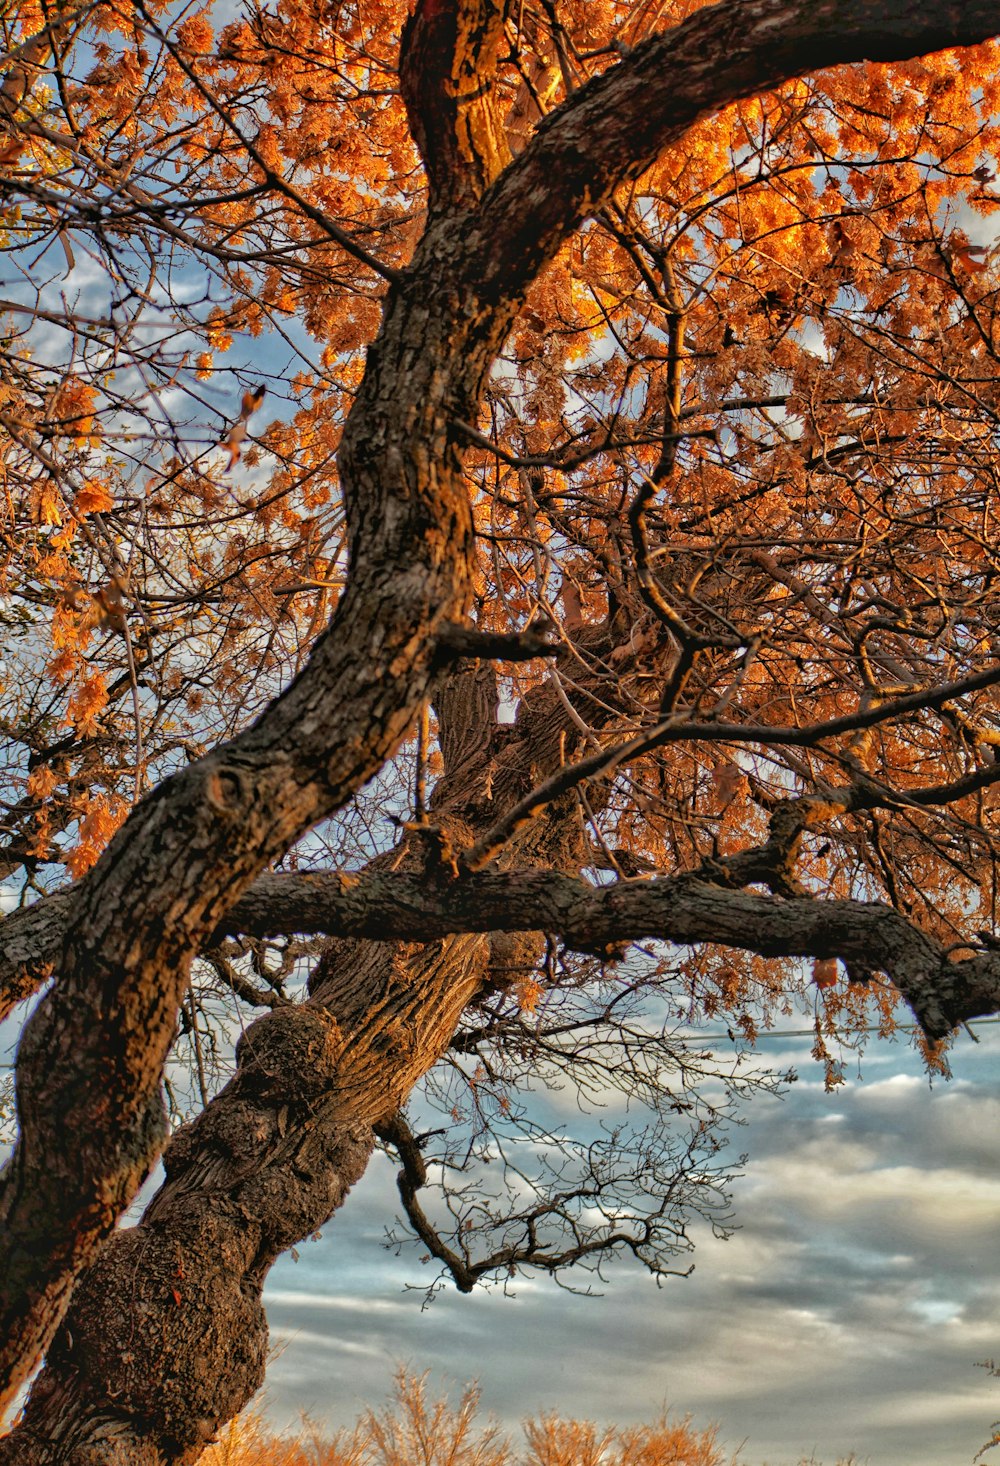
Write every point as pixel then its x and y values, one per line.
pixel 787 327
pixel 620 387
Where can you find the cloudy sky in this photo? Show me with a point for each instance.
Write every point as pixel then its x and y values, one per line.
pixel 848 1313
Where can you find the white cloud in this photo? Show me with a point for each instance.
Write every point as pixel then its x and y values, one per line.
pixel 848 1313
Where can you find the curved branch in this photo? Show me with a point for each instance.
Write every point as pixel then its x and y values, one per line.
pixel 411 1179
pixel 612 129
pixel 684 909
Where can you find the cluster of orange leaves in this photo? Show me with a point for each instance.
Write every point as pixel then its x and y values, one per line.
pixel 810 251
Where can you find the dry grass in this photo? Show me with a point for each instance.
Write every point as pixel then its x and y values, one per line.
pixel 414 1431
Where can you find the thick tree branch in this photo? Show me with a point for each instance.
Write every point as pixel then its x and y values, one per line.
pixel 678 909
pixel 92 1053
pixel 683 909
pixel 447 69
pixel 457 642
pixel 612 129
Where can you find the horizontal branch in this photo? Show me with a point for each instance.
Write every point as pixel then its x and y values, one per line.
pixel 682 910
pixel 456 642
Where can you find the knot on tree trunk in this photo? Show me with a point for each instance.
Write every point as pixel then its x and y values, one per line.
pixel 158 1360
pixel 302 1042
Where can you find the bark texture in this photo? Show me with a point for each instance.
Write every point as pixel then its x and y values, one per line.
pixel 166 1337
pixel 447 71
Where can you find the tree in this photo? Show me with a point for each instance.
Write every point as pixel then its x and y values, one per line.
pixel 676 429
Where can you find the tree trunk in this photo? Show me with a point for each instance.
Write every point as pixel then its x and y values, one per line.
pixel 166 1337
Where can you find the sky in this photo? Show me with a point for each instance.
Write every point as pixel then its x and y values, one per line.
pixel 848 1313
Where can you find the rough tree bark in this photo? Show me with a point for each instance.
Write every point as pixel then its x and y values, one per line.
pixel 166 1337
pixel 92 1056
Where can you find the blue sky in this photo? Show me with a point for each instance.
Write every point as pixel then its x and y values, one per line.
pixel 848 1313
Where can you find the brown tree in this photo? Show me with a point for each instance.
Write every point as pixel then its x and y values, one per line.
pixel 676 429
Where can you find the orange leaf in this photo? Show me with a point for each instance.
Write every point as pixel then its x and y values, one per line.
pixel 528 992
pixel 825 972
pixel 93 498
pixel 48 511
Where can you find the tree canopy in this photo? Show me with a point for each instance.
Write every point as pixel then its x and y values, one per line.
pixel 498 558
